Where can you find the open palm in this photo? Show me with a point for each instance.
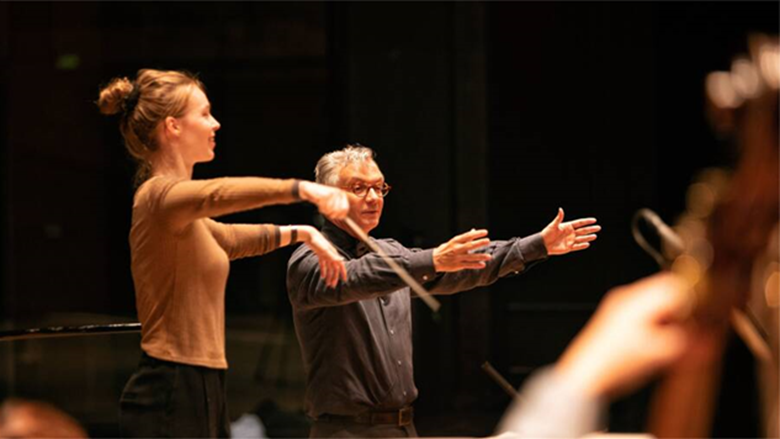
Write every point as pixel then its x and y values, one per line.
pixel 564 237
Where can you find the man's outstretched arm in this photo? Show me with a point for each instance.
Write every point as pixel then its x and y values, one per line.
pixel 506 258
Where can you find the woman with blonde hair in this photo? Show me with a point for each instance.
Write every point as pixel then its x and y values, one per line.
pixel 180 255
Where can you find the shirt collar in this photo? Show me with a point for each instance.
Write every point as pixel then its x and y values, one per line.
pixel 341 239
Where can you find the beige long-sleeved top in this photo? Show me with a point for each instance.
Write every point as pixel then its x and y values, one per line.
pixel 180 259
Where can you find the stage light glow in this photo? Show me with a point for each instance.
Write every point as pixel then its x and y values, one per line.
pixel 769 60
pixel 688 268
pixel 704 253
pixel 721 91
pixel 690 230
pixel 772 290
pixel 701 199
pixel 745 78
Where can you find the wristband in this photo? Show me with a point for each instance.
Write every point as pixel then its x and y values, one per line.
pixel 296 192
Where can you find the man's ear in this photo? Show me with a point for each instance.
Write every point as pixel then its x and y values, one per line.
pixel 172 126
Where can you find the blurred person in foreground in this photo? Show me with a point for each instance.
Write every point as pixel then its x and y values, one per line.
pixel 636 332
pixel 676 326
pixel 33 419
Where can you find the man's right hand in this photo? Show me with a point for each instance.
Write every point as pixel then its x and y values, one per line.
pixel 455 254
pixel 332 202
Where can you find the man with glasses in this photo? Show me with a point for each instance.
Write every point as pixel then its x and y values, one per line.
pixel 356 336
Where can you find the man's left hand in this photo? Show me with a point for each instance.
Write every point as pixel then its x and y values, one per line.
pixel 561 238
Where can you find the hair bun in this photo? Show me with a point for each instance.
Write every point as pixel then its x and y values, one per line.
pixel 113 96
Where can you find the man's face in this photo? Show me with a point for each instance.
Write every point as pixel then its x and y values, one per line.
pixel 364 211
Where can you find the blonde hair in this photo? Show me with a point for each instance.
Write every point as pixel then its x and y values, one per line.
pixel 144 104
pixel 329 165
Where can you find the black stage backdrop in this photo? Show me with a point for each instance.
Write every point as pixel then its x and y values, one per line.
pixel 483 115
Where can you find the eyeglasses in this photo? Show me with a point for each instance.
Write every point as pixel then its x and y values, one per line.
pixel 361 190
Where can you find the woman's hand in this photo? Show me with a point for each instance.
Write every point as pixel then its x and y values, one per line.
pixel 331 263
pixel 332 202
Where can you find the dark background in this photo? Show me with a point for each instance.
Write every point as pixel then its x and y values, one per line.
pixel 483 115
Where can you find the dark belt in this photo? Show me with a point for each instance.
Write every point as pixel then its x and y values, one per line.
pixel 401 417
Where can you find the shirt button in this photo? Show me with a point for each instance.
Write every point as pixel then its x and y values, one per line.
pixel 392 332
pixel 425 277
pixel 399 362
pixel 517 272
pixel 404 392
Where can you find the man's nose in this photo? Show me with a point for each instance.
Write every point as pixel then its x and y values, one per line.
pixel 372 194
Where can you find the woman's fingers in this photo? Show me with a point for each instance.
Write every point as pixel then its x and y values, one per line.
pixel 333 203
pixel 337 205
pixel 332 268
pixel 343 270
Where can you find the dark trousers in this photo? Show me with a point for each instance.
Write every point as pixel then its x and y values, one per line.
pixel 167 399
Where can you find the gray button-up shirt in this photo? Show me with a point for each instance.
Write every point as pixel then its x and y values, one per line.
pixel 356 338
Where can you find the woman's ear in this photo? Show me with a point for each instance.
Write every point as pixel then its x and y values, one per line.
pixel 172 126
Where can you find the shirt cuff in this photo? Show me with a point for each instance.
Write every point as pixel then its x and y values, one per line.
pixel 421 265
pixel 533 248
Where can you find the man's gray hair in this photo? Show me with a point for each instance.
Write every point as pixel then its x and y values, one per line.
pixel 329 166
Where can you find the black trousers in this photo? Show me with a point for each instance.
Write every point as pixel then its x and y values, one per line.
pixel 167 399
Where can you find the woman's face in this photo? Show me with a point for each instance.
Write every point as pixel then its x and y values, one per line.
pixel 198 129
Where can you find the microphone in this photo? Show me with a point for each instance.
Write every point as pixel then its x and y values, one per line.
pixel 670 240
